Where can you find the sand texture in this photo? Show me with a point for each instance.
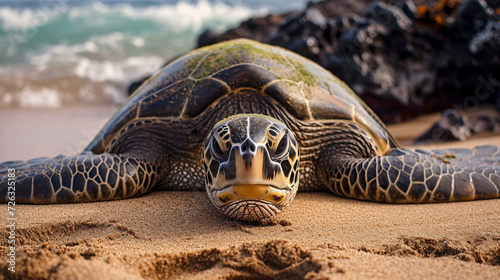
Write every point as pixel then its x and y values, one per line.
pixel 180 235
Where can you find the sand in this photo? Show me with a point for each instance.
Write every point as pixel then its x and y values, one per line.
pixel 180 235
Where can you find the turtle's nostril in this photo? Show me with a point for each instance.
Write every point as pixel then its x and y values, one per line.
pixel 248 147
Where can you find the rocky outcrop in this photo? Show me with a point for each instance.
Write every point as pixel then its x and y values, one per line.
pixel 457 124
pixel 258 29
pixel 403 59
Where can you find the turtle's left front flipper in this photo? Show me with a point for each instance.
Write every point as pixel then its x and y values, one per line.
pixel 80 178
pixel 420 176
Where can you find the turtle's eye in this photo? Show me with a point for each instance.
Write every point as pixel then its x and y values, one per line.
pixel 217 148
pixel 282 145
pixel 221 141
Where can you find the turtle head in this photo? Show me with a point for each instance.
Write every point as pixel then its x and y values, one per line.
pixel 252 166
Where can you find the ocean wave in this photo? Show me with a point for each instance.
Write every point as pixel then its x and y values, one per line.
pixel 128 69
pixel 13 19
pixel 79 51
pixel 181 15
pixel 43 97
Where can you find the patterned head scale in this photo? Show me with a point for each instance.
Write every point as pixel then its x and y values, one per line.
pixel 252 166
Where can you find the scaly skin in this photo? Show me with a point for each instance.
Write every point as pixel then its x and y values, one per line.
pixel 405 176
pixel 80 178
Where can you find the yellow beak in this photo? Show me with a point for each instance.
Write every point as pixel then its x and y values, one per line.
pixel 248 191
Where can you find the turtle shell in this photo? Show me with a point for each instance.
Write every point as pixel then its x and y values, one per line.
pixel 186 87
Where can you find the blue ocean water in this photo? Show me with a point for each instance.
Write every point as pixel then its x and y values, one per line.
pixel 56 52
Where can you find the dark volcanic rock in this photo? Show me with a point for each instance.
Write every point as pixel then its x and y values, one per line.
pixel 457 124
pixel 403 62
pixel 260 29
pixel 336 8
pixel 384 64
pixel 257 29
pixel 451 126
pixel 400 65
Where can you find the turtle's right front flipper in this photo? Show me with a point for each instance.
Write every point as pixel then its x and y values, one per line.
pixel 80 178
pixel 405 176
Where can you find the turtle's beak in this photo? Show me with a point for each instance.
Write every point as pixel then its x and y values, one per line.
pixel 251 192
pixel 253 182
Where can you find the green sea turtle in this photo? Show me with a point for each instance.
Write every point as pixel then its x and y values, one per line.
pixel 248 122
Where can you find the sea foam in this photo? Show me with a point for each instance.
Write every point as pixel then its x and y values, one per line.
pixel 89 52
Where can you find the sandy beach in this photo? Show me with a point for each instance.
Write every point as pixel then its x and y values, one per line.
pixel 180 235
